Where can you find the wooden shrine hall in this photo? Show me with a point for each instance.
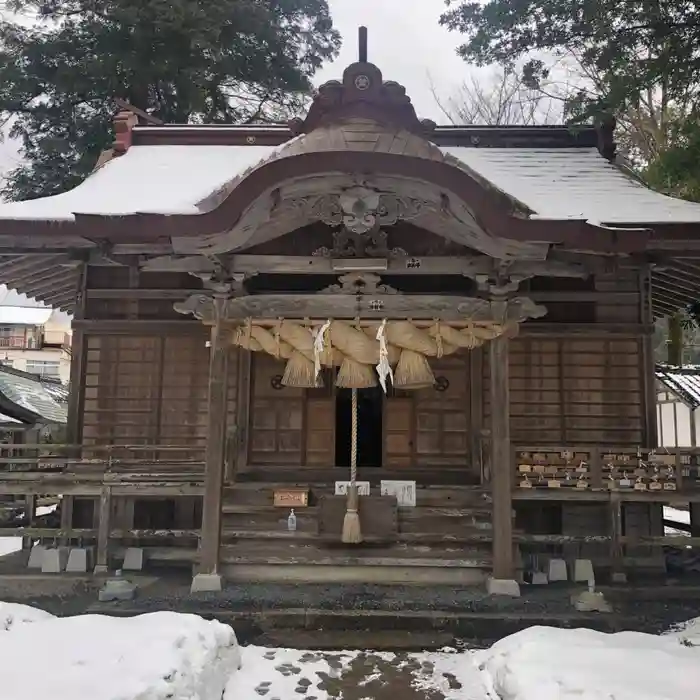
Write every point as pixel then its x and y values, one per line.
pixel 359 347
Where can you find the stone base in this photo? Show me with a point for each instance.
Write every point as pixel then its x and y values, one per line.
pixel 100 570
pixel 54 560
pixel 619 577
pixel 117 589
pixel 583 571
pixel 133 559
pixel 557 570
pixel 206 583
pixel 500 586
pixel 539 578
pixel 36 556
pixel 78 560
pixel 589 601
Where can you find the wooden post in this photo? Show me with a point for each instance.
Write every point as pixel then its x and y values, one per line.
pixel 476 411
pixel 76 397
pixel 501 464
pixel 616 553
pixel 103 529
pixel 208 574
pixel 694 519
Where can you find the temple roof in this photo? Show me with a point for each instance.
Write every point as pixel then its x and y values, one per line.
pixel 684 382
pixel 555 182
pixel 30 399
pixel 212 190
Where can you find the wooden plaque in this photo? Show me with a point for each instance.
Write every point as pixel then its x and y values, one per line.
pixel 291 498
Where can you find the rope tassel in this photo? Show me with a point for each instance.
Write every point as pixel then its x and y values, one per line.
pixel 352 531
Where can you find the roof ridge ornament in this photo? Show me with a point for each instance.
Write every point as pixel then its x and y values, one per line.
pixel 362 93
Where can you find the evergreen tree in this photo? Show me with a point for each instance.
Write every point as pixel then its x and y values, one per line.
pixel 186 61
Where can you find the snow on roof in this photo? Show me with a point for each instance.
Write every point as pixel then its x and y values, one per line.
pixel 28 392
pixel 24 316
pixel 146 179
pixel 554 183
pixel 573 183
pixel 682 381
pixel 19 309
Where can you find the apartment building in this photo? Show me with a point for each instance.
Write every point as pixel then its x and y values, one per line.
pixel 34 338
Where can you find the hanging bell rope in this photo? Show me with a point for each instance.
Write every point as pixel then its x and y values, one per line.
pixel 352 530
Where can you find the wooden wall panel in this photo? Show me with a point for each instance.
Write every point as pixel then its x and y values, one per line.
pixel 442 416
pixel 149 390
pixel 567 391
pixel 276 416
pixel 430 427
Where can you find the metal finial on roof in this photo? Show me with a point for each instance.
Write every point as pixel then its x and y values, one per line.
pixel 363 44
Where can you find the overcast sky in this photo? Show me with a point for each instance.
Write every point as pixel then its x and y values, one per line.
pixel 405 42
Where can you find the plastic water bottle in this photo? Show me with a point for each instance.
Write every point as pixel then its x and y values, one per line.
pixel 292 522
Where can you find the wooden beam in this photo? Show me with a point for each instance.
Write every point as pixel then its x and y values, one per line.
pixel 216 442
pixel 171 294
pixel 409 265
pixel 28 263
pixel 501 460
pixel 184 326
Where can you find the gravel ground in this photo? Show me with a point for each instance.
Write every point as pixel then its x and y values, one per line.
pixel 541 605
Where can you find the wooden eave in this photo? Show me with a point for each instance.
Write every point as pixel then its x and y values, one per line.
pixel 278 134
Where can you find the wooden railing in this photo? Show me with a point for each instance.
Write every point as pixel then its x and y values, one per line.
pixel 662 472
pixel 101 458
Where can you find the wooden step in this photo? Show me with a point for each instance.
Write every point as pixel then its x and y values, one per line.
pixel 230 534
pixel 288 562
pixel 288 553
pixel 456 497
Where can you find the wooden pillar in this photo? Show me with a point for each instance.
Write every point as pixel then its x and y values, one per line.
pixel 216 442
pixel 695 519
pixel 104 524
pixel 76 397
pixel 501 461
pixel 651 423
pixel 476 411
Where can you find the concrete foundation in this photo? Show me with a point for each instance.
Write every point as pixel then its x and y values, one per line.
pixel 79 560
pixel 583 571
pixel 557 570
pixel 206 583
pixel 133 559
pixel 36 557
pixel 117 589
pixel 54 560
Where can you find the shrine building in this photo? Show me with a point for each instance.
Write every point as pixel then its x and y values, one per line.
pixel 433 344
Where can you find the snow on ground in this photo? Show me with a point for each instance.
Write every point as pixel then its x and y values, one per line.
pixel 8 545
pixel 543 663
pixel 680 516
pixel 174 656
pixel 157 656
pixel 279 674
pixel 687 633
